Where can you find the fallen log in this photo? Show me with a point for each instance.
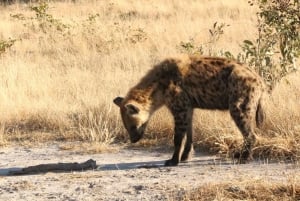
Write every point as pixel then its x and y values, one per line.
pixel 55 167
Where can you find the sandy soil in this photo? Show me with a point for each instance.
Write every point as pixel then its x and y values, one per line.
pixel 124 175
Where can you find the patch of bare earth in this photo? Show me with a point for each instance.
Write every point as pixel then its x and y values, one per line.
pixel 139 174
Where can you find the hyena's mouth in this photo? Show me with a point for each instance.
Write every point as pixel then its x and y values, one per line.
pixel 137 133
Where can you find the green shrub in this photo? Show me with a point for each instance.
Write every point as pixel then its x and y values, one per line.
pixel 45 20
pixel 273 54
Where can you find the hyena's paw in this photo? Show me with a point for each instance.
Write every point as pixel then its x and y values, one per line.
pixel 186 156
pixel 243 156
pixel 171 163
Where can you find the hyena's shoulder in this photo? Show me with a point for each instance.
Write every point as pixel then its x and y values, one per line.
pixel 170 70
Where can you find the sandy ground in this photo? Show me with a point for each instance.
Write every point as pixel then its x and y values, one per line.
pixel 122 175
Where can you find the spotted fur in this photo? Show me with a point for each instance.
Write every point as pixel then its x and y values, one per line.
pixel 189 82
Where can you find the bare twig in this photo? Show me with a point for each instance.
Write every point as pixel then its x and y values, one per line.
pixel 42 168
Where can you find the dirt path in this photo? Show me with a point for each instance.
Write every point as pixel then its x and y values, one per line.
pixel 123 176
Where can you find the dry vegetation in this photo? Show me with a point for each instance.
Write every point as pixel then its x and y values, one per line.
pixel 250 190
pixel 63 69
pixel 69 61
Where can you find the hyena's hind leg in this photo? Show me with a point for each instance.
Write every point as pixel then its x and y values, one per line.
pixel 243 111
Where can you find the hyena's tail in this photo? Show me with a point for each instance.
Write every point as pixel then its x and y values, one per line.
pixel 260 113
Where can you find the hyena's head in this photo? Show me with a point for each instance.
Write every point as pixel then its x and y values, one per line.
pixel 134 117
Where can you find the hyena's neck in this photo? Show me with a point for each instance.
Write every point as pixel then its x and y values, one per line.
pixel 150 91
pixel 149 97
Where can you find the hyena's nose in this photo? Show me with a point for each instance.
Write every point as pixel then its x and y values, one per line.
pixel 135 138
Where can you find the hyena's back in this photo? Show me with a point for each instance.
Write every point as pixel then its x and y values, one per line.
pixel 215 83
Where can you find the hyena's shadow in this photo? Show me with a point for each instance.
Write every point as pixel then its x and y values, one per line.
pixel 129 166
pixel 196 161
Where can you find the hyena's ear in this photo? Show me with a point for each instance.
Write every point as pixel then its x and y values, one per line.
pixel 132 109
pixel 118 101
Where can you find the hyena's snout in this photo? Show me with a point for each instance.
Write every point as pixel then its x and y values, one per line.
pixel 136 133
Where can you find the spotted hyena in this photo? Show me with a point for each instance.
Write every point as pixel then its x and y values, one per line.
pixel 189 82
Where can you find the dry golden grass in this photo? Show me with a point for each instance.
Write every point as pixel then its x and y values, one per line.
pixel 250 190
pixel 62 73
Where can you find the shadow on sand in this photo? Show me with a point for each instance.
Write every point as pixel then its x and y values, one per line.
pixel 134 165
pixel 197 161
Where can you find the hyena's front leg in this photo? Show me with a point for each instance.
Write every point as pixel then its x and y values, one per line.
pixel 188 148
pixel 183 122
